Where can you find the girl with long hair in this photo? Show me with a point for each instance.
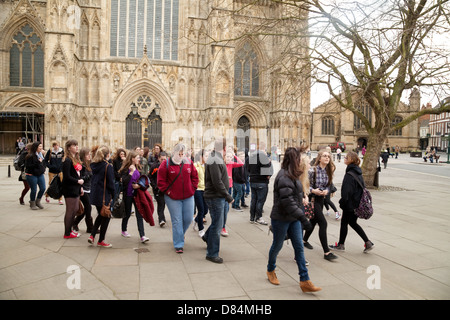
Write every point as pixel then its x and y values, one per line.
pixel 130 172
pixel 86 174
pixel 288 217
pixel 102 172
pixel 320 180
pixel 351 194
pixel 71 186
pixel 34 170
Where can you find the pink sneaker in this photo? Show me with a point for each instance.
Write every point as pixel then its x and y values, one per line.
pixel 91 240
pixel 72 235
pixel 104 244
pixel 46 200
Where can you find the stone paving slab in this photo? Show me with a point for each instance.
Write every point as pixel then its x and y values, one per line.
pixel 410 229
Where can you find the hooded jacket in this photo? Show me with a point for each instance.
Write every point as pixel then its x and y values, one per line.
pixel 216 178
pixel 98 180
pixel 53 160
pixel 184 186
pixel 351 191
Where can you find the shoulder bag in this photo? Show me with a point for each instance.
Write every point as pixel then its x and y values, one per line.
pixel 106 209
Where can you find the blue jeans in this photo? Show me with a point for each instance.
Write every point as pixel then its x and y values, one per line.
pixel 34 182
pixel 238 193
pixel 212 235
pixel 181 214
pixel 202 208
pixel 295 232
pixel 259 196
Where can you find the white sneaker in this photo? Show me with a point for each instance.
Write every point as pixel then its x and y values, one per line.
pixel 338 215
pixel 201 233
pixel 144 239
pixel 125 234
pixel 261 221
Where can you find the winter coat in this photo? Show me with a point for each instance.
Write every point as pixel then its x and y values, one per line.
pixel 70 186
pixel 287 199
pixel 184 186
pixel 33 166
pixel 98 180
pixel 53 160
pixel 216 178
pixel 259 167
pixel 351 191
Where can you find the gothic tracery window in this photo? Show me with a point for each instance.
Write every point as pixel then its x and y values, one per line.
pixel 246 72
pixel 26 59
pixel 135 23
pixel 328 126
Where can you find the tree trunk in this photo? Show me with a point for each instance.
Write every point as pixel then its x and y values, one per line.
pixel 370 162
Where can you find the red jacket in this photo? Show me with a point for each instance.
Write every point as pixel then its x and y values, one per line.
pixel 144 204
pixel 184 186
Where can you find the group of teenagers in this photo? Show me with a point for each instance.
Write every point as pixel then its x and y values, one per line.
pixel 204 184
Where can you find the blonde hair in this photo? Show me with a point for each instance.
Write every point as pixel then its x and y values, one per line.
pixel 304 166
pixel 100 154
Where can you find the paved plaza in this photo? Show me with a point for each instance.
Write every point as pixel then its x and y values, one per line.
pixel 410 261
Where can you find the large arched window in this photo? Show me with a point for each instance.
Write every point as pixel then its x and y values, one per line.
pixel 328 126
pixel 153 23
pixel 246 72
pixel 397 132
pixel 26 60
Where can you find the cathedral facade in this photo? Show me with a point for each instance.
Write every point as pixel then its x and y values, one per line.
pixel 128 73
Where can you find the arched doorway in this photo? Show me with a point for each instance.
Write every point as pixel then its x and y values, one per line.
pixel 133 130
pixel 154 130
pixel 243 133
pixel 143 123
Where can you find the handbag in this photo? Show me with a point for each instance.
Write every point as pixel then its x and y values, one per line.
pixel 106 209
pixel 309 210
pixel 54 190
pixel 118 210
pixel 80 209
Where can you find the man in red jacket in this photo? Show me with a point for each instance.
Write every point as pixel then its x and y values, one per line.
pixel 178 180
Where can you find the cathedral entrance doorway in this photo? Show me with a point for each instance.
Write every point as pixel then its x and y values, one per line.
pixel 143 123
pixel 243 134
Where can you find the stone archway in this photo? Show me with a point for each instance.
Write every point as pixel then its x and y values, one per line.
pixel 128 96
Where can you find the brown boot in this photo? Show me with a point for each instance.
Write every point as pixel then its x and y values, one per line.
pixel 273 277
pixel 307 286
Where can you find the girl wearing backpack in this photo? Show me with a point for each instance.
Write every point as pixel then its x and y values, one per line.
pixel 351 194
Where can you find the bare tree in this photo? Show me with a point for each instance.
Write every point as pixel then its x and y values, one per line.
pixel 382 49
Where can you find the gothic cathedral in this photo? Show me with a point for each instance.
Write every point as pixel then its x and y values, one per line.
pixel 126 73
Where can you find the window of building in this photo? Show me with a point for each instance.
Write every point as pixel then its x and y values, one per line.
pixel 26 59
pixel 366 110
pixel 139 23
pixel 328 126
pixel 246 72
pixel 397 132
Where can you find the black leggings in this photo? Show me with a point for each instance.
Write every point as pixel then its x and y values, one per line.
pixel 321 221
pixel 349 218
pixel 328 203
pixel 102 223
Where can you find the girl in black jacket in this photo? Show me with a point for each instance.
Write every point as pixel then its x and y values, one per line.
pixel 86 175
pixel 101 169
pixel 34 169
pixel 351 193
pixel 287 217
pixel 71 186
